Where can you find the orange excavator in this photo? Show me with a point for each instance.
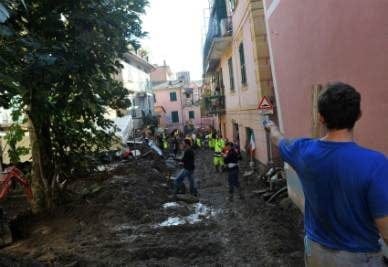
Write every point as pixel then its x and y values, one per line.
pixel 8 180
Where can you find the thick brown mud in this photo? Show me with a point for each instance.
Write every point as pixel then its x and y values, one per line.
pixel 127 218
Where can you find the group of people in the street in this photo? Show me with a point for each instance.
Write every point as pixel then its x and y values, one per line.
pixel 225 158
pixel 345 185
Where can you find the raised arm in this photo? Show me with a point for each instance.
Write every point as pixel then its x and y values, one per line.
pixel 276 135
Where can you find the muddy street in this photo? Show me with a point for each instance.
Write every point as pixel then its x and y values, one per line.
pixel 252 232
pixel 128 218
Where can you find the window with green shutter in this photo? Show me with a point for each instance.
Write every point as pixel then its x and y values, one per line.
pixel 173 96
pixel 191 114
pixel 232 4
pixel 174 116
pixel 231 77
pixel 242 64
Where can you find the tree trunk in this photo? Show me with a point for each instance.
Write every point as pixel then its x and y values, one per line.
pixel 42 171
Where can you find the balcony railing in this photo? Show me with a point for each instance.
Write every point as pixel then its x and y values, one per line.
pixel 190 103
pixel 226 27
pixel 219 25
pixel 213 105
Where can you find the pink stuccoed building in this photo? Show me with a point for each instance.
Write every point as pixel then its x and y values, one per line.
pixel 178 103
pixel 315 42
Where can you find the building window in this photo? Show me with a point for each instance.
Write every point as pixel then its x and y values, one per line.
pixel 191 114
pixel 174 116
pixel 231 77
pixel 173 96
pixel 232 4
pixel 242 64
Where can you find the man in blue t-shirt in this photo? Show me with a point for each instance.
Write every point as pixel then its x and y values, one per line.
pixel 345 185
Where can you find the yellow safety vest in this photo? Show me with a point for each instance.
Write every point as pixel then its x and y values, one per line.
pixel 198 142
pixel 219 145
pixel 211 142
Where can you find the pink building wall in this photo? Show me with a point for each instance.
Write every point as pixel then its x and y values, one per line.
pixel 315 42
pixel 163 99
pixel 161 74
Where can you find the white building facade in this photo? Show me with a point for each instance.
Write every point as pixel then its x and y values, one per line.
pixel 135 76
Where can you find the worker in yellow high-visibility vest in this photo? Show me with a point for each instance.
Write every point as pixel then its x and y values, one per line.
pixel 218 159
pixel 165 141
pixel 210 142
pixel 198 142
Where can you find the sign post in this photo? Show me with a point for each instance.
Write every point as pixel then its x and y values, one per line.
pixel 265 109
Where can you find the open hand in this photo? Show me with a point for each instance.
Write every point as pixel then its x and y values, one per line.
pixel 268 124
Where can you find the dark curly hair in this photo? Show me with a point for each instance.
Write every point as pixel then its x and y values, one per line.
pixel 339 105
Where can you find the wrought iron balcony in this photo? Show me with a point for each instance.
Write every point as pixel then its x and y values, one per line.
pixel 219 35
pixel 213 105
pixel 190 103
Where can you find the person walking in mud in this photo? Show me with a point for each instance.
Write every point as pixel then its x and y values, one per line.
pixel 345 186
pixel 187 171
pixel 218 160
pixel 231 159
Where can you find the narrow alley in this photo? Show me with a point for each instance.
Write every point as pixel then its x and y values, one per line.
pixel 107 106
pixel 127 218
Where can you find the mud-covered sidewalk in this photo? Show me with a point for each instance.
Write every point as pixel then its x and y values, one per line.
pixel 127 218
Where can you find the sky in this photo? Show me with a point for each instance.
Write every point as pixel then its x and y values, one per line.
pixel 175 34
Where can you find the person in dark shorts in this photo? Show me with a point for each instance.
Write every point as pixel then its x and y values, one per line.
pixel 231 158
pixel 188 169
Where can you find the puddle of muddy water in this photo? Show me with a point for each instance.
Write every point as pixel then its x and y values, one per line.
pixel 199 212
pixel 171 205
pixel 107 167
pixel 172 221
pixel 126 233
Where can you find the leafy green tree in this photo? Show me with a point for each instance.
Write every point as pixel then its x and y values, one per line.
pixel 61 58
pixel 16 132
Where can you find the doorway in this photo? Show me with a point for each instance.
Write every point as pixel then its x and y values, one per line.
pixel 236 134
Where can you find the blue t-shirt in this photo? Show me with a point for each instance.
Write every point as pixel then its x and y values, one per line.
pixel 345 187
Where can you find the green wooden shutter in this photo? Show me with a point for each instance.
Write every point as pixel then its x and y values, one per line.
pixel 173 96
pixel 174 116
pixel 242 64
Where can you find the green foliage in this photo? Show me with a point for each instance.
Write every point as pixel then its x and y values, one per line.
pixel 15 132
pixel 14 135
pixel 60 57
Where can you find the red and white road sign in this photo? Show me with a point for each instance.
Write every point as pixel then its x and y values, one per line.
pixel 265 106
